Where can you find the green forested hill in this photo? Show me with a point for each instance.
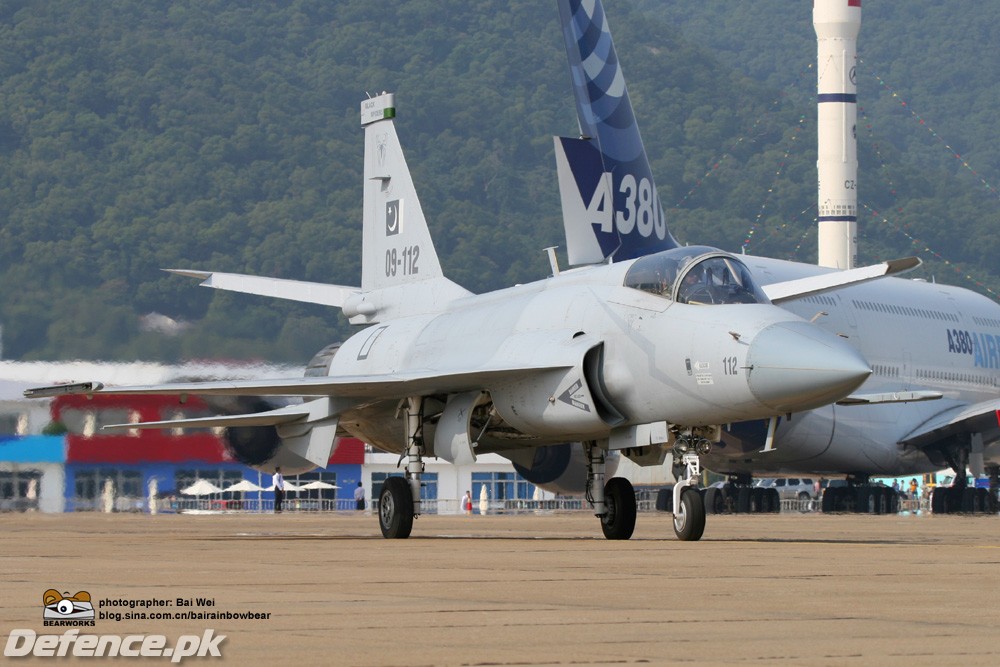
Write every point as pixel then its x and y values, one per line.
pixel 224 134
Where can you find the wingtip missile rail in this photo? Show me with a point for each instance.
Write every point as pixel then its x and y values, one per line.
pixel 64 389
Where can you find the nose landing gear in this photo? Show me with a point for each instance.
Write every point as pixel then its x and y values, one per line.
pixel 689 508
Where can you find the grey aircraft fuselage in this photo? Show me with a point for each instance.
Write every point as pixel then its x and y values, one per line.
pixel 659 360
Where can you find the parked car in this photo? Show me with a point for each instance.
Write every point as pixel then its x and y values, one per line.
pixel 789 488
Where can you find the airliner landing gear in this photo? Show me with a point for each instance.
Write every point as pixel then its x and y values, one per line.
pixel 399 501
pixel 614 502
pixel 739 496
pixel 960 498
pixel 861 497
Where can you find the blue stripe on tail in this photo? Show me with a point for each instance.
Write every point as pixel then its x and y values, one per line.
pixel 637 225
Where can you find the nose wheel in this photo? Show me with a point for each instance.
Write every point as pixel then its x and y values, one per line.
pixel 689 508
pixel 689 517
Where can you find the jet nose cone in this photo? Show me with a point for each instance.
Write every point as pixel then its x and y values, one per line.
pixel 797 366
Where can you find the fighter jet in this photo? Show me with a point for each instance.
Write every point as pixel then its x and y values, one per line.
pixel 642 357
pixel 932 401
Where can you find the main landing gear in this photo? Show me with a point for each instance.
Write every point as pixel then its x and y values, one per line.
pixel 960 498
pixel 740 496
pixel 614 502
pixel 861 497
pixel 399 501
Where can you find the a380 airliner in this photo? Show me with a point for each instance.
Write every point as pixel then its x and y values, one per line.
pixel 933 399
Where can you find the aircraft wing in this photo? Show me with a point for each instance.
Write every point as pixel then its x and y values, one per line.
pixel 286 415
pixel 279 288
pixel 387 386
pixel 891 397
pixel 983 417
pixel 801 287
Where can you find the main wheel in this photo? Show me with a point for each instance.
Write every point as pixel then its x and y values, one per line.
pixel 395 508
pixel 715 500
pixel 689 518
pixel 774 501
pixel 938 497
pixel 757 500
pixel 743 500
pixel 968 500
pixel 863 499
pixel 618 521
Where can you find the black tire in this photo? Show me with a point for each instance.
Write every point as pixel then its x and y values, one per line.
pixel 968 500
pixel 665 499
pixel 618 521
pixel 982 501
pixel 775 501
pixel 863 499
pixel 877 501
pixel 828 504
pixel 743 500
pixel 953 499
pixel 395 509
pixel 893 503
pixel 756 500
pixel 715 501
pixel 689 521
pixel 938 497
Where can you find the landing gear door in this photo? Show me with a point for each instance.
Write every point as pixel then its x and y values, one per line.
pixel 452 440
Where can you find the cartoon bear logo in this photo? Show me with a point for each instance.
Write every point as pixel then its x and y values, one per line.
pixel 67 607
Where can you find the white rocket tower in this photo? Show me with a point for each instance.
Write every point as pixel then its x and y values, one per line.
pixel 837 23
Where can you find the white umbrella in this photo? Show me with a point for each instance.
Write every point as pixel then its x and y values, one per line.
pixel 201 487
pixel 288 487
pixel 319 485
pixel 243 485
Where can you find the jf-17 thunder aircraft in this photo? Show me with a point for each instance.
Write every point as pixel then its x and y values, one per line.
pixel 641 356
pixel 932 400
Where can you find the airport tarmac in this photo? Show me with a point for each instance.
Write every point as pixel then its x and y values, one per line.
pixel 794 589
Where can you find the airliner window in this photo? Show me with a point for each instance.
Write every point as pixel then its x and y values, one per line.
pixel 716 280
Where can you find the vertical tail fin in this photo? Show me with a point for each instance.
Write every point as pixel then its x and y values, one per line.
pixel 396 243
pixel 610 204
pixel 397 250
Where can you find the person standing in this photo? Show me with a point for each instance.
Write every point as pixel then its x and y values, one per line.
pixel 279 489
pixel 467 502
pixel 359 497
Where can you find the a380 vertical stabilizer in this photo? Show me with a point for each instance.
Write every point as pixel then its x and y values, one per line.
pixel 610 204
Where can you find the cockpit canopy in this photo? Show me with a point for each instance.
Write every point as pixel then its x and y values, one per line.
pixel 695 275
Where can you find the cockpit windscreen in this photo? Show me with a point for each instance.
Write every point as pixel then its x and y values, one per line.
pixel 695 275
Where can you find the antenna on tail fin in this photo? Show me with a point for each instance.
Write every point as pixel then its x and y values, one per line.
pixel 610 204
